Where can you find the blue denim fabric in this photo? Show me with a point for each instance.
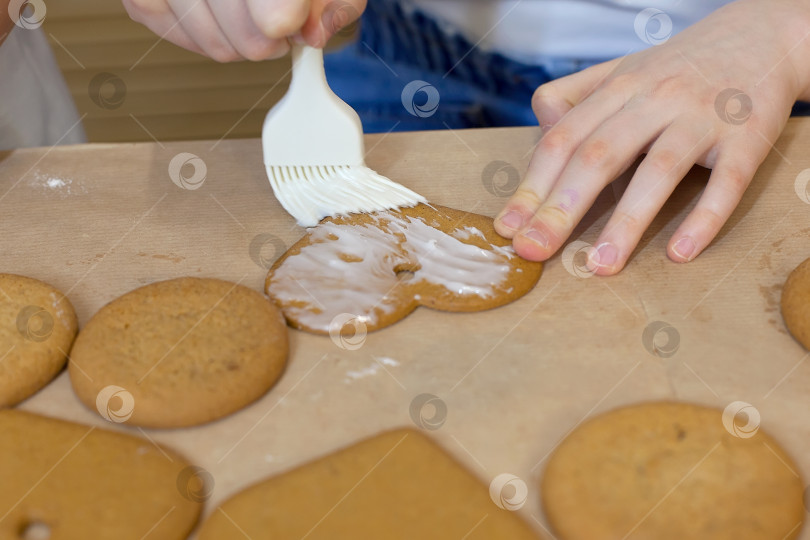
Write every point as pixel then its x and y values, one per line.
pixel 475 88
pixel 800 108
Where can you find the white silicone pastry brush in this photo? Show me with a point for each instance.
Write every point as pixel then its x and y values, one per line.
pixel 313 151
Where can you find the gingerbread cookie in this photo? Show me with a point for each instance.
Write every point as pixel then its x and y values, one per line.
pixel 37 327
pixel 395 485
pixel 671 471
pixel 796 303
pixel 179 353
pixel 66 480
pixel 379 267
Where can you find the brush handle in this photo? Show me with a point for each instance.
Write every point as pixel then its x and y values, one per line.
pixel 307 70
pixel 310 125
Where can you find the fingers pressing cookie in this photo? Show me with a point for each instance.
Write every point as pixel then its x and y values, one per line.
pixel 565 197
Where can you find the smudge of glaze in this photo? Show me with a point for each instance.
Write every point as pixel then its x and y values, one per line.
pixel 772 296
pixel 170 257
pixel 765 261
pixel 95 259
pixel 779 325
pixel 373 369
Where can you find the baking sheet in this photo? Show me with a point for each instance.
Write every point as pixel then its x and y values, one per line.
pixel 99 220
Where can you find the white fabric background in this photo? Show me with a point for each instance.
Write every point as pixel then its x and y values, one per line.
pixel 36 108
pixel 531 30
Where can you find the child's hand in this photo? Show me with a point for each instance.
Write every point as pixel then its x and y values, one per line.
pixel 718 95
pixel 228 30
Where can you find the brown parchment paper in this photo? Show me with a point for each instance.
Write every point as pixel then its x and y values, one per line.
pixel 99 220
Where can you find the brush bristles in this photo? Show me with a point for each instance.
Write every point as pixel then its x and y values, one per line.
pixel 310 193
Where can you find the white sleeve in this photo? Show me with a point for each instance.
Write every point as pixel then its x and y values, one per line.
pixel 36 108
pixel 532 30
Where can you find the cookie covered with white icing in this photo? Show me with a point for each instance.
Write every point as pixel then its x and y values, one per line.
pixel 379 267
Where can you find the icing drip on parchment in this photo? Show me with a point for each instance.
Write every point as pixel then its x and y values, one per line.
pixel 352 268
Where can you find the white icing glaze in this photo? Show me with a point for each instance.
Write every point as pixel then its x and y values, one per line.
pixel 353 268
pixel 385 360
pixel 378 364
pixel 310 194
pixel 465 233
pixel 461 268
pixel 362 373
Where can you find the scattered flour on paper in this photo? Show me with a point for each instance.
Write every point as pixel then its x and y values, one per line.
pixel 62 187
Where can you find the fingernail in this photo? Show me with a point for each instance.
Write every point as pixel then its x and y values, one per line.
pixel 605 255
pixel 298 39
pixel 537 237
pixel 684 248
pixel 512 220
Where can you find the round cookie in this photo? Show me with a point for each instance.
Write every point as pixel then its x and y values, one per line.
pixel 63 480
pixel 37 327
pixel 796 303
pixel 178 353
pixel 375 269
pixel 670 471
